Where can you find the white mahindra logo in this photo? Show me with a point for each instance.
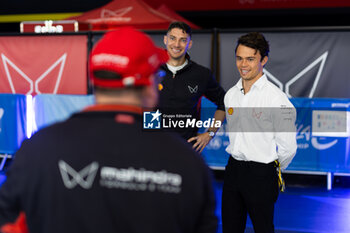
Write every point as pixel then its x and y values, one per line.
pixel 113 16
pixel 85 178
pixel 48 28
pixel 140 175
pixel 105 13
pixel 34 86
pixel 320 60
pixel 141 180
pixel 193 89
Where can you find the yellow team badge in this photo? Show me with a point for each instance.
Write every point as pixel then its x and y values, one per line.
pixel 230 111
pixel 160 87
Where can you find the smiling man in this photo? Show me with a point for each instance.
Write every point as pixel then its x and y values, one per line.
pixel 261 123
pixel 185 83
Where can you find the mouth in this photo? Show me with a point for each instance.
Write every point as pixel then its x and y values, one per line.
pixel 244 72
pixel 176 51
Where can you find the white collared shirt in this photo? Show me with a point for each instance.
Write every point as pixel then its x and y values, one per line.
pixel 175 69
pixel 261 123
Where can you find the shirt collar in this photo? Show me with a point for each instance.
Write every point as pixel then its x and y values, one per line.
pixel 113 107
pixel 258 84
pixel 239 84
pixel 174 69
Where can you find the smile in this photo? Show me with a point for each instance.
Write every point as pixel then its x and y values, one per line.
pixel 244 72
pixel 176 50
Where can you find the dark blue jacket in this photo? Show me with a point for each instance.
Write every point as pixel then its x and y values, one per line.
pixel 99 171
pixel 182 93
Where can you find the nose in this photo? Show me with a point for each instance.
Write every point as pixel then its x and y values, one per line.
pixel 244 62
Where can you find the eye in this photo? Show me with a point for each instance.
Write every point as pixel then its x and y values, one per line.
pixel 251 59
pixel 238 58
pixel 184 40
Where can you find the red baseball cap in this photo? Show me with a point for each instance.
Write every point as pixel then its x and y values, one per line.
pixel 129 53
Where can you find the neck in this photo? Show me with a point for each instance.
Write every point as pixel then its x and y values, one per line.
pixel 247 84
pixel 177 62
pixel 120 100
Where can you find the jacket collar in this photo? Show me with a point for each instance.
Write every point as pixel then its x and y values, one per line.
pixel 164 66
pixel 113 108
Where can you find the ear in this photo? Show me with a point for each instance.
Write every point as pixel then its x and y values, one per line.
pixel 165 39
pixel 150 95
pixel 264 60
pixel 190 44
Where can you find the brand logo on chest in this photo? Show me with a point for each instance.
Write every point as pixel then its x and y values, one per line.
pixel 193 89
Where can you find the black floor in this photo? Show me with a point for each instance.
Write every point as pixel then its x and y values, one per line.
pixel 306 206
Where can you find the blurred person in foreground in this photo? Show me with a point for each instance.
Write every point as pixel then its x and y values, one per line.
pixel 185 83
pixel 262 134
pixel 99 171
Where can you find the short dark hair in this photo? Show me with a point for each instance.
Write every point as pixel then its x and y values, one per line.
pixel 181 25
pixel 255 40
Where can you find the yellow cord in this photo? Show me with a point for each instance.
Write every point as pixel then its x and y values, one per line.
pixel 281 183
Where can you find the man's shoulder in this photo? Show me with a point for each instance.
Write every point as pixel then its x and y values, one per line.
pixel 272 89
pixel 200 73
pixel 275 94
pixel 46 132
pixel 195 66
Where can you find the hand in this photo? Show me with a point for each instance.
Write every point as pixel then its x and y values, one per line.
pixel 202 141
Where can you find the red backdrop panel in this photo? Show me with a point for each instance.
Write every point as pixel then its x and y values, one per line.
pixel 43 64
pixel 210 5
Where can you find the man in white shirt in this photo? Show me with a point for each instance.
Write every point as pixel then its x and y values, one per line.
pixel 261 123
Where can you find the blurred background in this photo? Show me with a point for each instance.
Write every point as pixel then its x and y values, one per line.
pixel 204 13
